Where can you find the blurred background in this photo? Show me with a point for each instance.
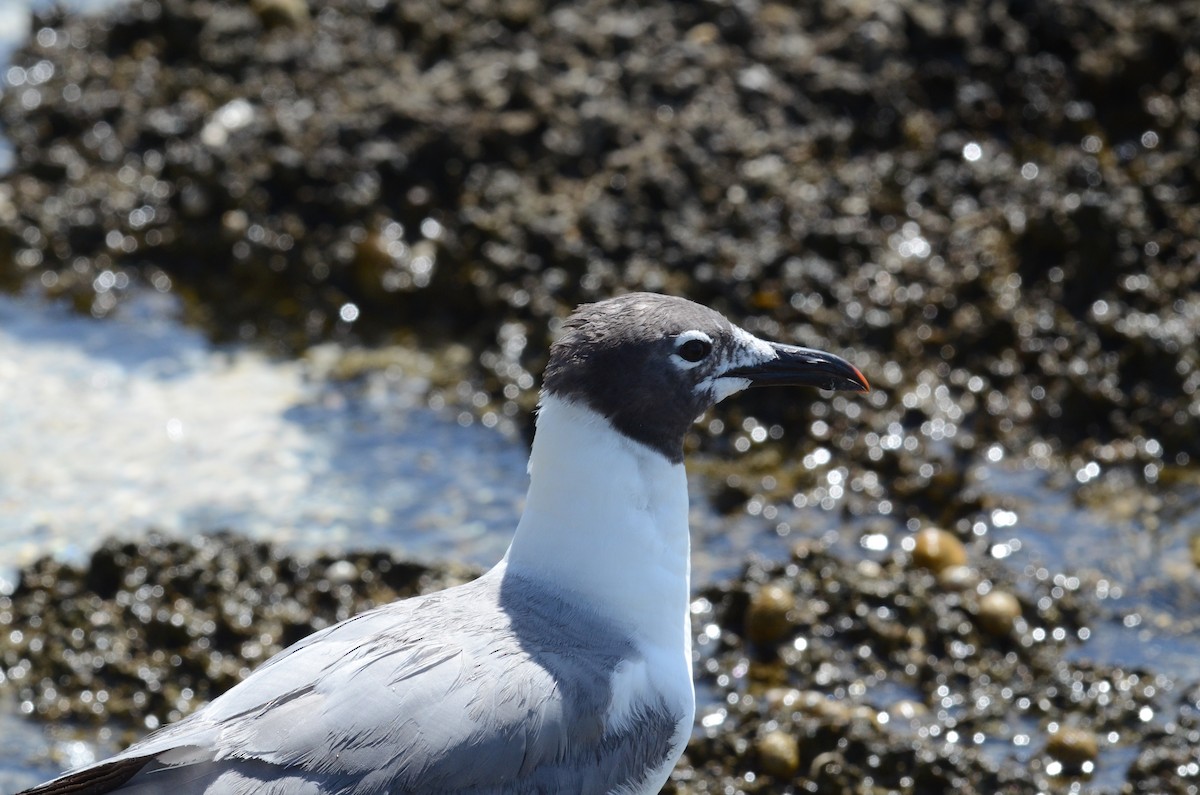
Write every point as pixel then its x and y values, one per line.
pixel 287 272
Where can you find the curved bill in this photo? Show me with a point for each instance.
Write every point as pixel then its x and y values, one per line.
pixel 796 366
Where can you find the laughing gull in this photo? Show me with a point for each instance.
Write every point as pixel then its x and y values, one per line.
pixel 568 666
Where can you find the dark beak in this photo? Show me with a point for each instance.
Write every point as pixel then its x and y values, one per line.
pixel 795 366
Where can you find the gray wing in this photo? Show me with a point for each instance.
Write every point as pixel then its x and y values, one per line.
pixel 445 693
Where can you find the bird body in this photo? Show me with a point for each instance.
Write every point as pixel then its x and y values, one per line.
pixel 495 686
pixel 566 667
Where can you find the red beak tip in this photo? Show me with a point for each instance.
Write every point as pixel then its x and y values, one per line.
pixel 863 379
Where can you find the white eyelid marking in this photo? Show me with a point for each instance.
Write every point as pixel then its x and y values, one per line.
pixel 694 334
pixel 688 336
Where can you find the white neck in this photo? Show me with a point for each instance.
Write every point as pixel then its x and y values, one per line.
pixel 607 519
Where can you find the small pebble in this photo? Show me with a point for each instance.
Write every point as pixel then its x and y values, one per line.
pixel 936 549
pixel 863 714
pixel 767 618
pixel 705 33
pixel 782 698
pixel 342 571
pixel 779 754
pixel 1072 745
pixel 998 610
pixel 281 13
pixel 828 711
pixel 958 578
pixel 907 710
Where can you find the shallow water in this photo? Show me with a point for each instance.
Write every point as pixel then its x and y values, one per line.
pixel 117 427
pixel 1137 542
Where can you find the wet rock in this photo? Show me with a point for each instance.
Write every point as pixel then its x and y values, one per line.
pixel 1073 746
pixel 907 710
pixel 175 622
pixel 957 578
pixel 281 13
pixel 867 632
pixel 998 612
pixel 1167 761
pixel 151 629
pixel 768 616
pixel 937 550
pixel 1015 245
pixel 778 754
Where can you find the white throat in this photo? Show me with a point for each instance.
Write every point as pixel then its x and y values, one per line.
pixel 607 519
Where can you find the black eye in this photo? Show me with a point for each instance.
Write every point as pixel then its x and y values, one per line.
pixel 694 350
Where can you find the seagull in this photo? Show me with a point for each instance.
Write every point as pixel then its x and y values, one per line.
pixel 565 668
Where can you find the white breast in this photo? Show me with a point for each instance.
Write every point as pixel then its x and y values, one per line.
pixel 661 674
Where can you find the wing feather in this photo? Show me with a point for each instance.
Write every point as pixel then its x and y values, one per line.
pixel 503 701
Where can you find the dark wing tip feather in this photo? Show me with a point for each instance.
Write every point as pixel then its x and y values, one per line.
pixel 92 781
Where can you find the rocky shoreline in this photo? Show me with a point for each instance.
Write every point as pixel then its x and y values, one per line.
pixel 992 204
pixel 928 670
pixel 993 198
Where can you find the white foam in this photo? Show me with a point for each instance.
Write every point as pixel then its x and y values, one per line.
pixel 134 422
